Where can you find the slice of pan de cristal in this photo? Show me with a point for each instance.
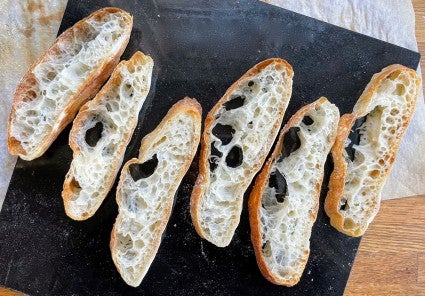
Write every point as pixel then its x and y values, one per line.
pixel 69 73
pixel 100 134
pixel 239 132
pixel 362 161
pixel 285 199
pixel 147 187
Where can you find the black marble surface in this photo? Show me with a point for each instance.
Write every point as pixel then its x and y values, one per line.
pixel 200 48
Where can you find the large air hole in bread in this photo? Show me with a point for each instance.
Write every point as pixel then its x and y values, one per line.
pixel 291 142
pixel 234 103
pixel 143 170
pixel 278 182
pixel 235 157
pixel 307 120
pixel 223 132
pixel 94 134
pixel 354 138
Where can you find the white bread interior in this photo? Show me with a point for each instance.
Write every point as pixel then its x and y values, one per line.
pixel 66 76
pixel 387 104
pixel 145 204
pixel 218 194
pixel 115 108
pixel 282 244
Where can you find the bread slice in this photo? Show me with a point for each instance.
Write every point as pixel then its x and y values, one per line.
pixel 69 73
pixel 100 134
pixel 147 187
pixel 285 199
pixel 239 132
pixel 362 163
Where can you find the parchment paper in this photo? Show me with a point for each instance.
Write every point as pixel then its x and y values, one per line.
pixel 28 27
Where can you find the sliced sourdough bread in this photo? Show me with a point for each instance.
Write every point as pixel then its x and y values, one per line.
pixel 285 199
pixel 147 187
pixel 366 147
pixel 100 134
pixel 69 73
pixel 239 132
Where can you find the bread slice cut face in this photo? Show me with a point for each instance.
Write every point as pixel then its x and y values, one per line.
pixel 284 202
pixel 366 147
pixel 239 132
pixel 147 187
pixel 100 134
pixel 68 74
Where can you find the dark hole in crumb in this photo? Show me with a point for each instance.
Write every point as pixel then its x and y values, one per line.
pixel 307 120
pixel 75 186
pixel 31 95
pixel 223 132
pixel 266 248
pixel 278 182
pixel 108 107
pixel 343 205
pixel 354 137
pixel 251 83
pixel 291 142
pixel 234 103
pixel 94 134
pixel 143 170
pixel 214 157
pixel 235 157
pixel 51 75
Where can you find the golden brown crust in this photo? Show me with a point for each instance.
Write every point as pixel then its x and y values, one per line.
pixel 203 177
pixel 337 178
pixel 254 206
pixel 376 81
pixel 254 202
pixel 79 121
pixel 188 106
pixel 85 92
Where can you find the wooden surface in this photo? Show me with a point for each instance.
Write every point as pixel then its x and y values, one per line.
pixel 391 257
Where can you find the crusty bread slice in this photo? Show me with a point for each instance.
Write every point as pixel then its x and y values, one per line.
pixel 147 187
pixel 69 73
pixel 100 134
pixel 239 132
pixel 285 199
pixel 386 107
